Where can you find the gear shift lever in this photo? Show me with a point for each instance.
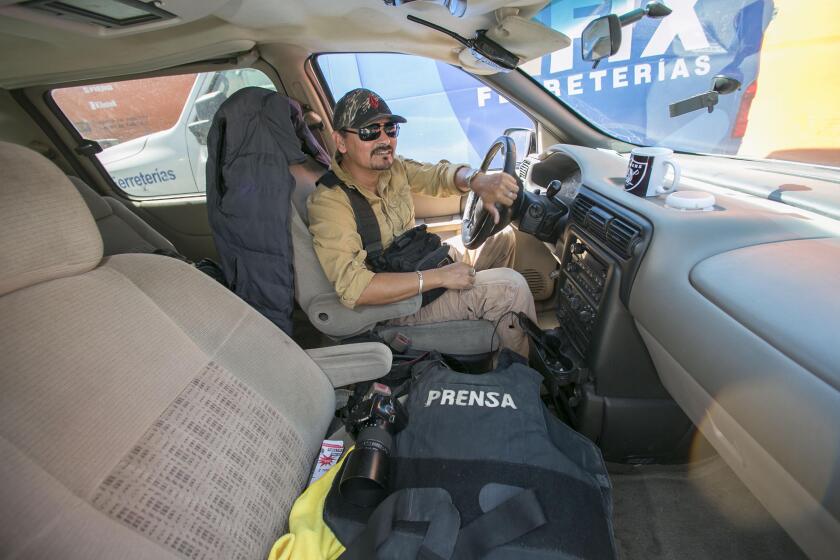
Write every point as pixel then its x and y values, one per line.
pixel 553 188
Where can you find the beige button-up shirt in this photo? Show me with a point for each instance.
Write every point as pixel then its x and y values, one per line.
pixel 333 224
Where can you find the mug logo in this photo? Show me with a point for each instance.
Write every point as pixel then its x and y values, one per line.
pixel 638 172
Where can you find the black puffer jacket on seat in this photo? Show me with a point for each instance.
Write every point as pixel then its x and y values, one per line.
pixel 250 146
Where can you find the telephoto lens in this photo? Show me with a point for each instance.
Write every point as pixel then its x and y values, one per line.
pixel 364 480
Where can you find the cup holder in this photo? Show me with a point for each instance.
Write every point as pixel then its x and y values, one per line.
pixel 551 362
pixel 546 358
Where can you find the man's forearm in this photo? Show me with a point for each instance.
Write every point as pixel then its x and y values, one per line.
pixel 389 287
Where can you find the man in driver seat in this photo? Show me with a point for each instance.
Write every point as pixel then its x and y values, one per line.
pixel 479 284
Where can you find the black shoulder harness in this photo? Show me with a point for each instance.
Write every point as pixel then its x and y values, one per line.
pixel 366 223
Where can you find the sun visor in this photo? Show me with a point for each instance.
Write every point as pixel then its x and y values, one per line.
pixel 526 38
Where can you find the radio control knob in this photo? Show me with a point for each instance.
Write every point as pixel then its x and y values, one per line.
pixel 585 316
pixel 578 248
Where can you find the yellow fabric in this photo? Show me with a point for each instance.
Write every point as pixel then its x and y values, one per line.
pixel 333 224
pixel 309 538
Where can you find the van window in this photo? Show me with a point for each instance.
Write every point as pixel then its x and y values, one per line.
pixel 438 100
pixel 154 130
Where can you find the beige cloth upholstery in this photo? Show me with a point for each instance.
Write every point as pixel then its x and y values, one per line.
pixel 34 194
pixel 145 410
pixel 121 229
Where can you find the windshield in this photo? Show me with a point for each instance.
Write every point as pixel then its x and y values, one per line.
pixel 783 52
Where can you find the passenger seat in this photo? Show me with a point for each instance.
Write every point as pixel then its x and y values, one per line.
pixel 145 410
pixel 121 229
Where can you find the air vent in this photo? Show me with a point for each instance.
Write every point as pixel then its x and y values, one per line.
pixel 622 236
pixel 597 220
pixel 619 234
pixel 524 166
pixel 580 209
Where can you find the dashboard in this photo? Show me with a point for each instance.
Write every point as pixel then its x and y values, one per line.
pixel 725 320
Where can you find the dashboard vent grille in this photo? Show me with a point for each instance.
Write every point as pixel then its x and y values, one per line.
pixel 621 236
pixel 618 233
pixel 597 221
pixel 580 209
pixel 524 166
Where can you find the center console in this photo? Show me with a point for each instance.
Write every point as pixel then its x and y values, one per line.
pixel 620 400
pixel 600 253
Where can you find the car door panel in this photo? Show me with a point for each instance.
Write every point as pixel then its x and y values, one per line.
pixel 181 220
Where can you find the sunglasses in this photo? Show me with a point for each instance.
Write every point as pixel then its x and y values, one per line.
pixel 371 132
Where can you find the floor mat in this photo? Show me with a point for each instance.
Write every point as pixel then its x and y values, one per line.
pixel 702 511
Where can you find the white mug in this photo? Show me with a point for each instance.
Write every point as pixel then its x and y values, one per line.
pixel 646 172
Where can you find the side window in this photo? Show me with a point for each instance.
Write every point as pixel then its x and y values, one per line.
pixel 154 130
pixel 450 114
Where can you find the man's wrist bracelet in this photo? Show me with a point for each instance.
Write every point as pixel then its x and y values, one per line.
pixel 471 176
pixel 420 276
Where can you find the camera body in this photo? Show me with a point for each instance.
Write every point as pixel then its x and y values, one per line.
pixel 372 422
pixel 377 409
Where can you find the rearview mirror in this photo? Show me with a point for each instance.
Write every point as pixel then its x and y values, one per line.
pixel 602 37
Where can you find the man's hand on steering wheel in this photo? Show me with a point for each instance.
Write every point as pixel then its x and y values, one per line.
pixel 492 188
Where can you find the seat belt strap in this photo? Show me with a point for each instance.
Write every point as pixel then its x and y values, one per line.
pixel 511 519
pixel 366 223
pixel 432 505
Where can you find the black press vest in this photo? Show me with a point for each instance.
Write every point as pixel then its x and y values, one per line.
pixel 523 484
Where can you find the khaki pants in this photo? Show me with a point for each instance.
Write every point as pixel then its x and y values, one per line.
pixel 499 291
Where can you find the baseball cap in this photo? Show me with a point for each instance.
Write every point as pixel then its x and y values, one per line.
pixel 360 107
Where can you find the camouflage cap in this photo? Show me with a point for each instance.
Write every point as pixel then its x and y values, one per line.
pixel 360 107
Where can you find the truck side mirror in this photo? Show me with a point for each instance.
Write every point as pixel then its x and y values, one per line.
pixel 200 129
pixel 205 109
pixel 207 105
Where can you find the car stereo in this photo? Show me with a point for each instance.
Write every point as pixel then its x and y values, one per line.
pixel 585 275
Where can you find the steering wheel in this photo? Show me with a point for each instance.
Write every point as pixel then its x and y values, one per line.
pixel 477 223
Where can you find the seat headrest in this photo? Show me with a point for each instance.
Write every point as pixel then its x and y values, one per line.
pixel 46 229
